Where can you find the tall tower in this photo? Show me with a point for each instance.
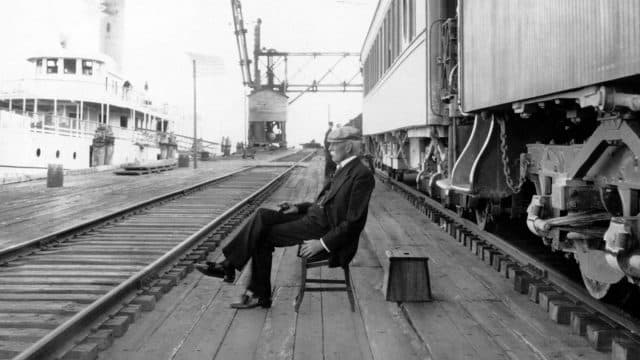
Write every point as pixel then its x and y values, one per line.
pixel 112 30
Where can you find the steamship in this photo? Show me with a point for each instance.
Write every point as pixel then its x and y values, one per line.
pixel 77 110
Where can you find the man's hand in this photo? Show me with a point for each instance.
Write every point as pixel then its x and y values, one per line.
pixel 310 248
pixel 287 208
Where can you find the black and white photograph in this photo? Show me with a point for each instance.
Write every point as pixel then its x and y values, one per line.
pixel 320 179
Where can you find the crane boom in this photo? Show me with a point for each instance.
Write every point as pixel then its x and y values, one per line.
pixel 241 42
pixel 274 58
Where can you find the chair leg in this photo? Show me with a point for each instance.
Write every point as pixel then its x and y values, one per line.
pixel 303 283
pixel 347 281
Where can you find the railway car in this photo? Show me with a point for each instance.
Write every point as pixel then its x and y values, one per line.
pixel 517 107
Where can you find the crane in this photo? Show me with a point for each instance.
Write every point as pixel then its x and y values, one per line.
pixel 241 42
pixel 276 58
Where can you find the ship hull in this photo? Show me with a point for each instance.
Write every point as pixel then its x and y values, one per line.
pixel 27 151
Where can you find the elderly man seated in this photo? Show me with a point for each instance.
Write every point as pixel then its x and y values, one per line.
pixel 329 227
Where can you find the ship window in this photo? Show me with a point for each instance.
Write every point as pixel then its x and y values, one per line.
pixel 57 154
pixel 52 66
pixel 38 152
pixel 74 155
pixel 39 66
pixel 87 67
pixel 124 121
pixel 69 66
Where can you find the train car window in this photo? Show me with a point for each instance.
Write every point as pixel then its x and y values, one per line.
pixel 378 58
pixel 396 28
pixel 365 76
pixel 385 39
pixel 393 30
pixel 389 43
pixel 383 50
pixel 412 19
pixel 405 20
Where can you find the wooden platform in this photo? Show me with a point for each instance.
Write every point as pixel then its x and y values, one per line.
pixel 474 314
pixel 148 168
pixel 29 209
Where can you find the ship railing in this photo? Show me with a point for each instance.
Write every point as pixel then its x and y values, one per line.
pixel 66 126
pixel 46 123
pixel 75 89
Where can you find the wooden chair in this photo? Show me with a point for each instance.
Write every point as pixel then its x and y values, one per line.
pixel 317 261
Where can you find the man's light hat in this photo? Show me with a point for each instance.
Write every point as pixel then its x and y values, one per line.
pixel 343 134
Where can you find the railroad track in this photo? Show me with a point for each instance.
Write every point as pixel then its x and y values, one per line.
pixel 66 295
pixel 606 327
pixel 295 157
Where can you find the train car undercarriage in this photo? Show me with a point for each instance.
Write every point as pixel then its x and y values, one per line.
pixel 566 164
pixel 586 200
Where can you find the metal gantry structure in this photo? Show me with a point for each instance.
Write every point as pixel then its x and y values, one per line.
pixel 279 60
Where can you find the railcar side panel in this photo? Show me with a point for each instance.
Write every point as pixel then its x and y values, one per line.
pixel 514 50
pixel 398 100
pixel 419 8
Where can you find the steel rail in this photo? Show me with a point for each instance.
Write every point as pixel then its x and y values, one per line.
pixel 552 275
pixel 14 250
pixel 303 154
pixel 64 333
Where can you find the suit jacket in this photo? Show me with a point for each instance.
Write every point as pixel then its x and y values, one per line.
pixel 345 201
pixel 330 166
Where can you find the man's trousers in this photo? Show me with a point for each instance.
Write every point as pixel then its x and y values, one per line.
pixel 265 230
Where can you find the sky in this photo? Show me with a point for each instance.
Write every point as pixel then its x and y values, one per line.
pixel 159 35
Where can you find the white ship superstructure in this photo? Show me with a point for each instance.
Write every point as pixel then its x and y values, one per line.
pixel 75 109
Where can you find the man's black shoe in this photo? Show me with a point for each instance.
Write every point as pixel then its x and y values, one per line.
pixel 248 302
pixel 219 270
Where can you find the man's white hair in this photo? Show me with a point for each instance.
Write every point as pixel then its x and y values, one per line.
pixel 356 147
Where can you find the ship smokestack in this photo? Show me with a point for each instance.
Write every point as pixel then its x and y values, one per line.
pixel 112 30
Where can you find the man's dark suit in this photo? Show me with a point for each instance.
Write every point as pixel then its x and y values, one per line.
pixel 338 216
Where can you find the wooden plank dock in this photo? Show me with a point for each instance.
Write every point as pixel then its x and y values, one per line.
pixel 475 314
pixel 29 209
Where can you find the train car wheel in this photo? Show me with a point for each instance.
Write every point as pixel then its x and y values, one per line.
pixel 596 288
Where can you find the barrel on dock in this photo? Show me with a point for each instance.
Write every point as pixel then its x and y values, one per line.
pixel 183 161
pixel 55 175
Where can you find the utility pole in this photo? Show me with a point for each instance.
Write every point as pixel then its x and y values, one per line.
pixel 195 116
pixel 246 119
